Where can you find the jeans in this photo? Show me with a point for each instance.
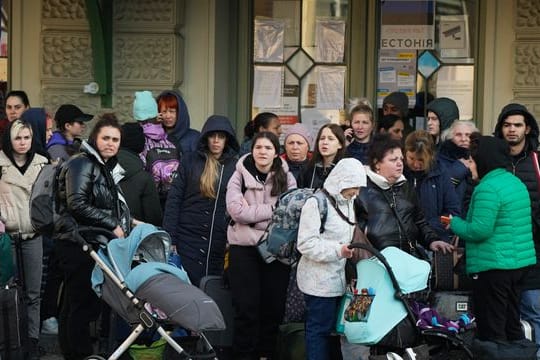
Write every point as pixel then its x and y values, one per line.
pixel 530 311
pixel 32 254
pixel 320 323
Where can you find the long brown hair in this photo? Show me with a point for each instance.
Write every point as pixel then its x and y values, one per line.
pixel 420 142
pixel 279 180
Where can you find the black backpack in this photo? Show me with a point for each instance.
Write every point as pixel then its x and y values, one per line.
pixel 43 209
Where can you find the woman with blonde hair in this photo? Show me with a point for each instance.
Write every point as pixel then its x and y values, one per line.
pixel 363 126
pixel 20 165
pixel 195 211
pixel 436 194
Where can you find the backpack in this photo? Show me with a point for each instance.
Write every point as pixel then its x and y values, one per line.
pixel 162 163
pixel 43 209
pixel 283 229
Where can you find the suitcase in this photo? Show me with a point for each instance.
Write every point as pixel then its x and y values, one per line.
pixel 452 304
pixel 13 314
pixel 215 287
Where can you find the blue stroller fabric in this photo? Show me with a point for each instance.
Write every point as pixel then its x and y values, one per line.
pixel 386 311
pixel 140 262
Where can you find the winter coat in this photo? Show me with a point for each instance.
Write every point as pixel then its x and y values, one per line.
pixel 375 213
pixel 61 148
pixel 436 195
pixel 523 167
pixel 88 194
pixel 448 156
pixel 296 167
pixel 15 190
pixel 139 189
pixel 497 230
pixel 251 210
pixel 185 139
pixel 321 269
pixel 197 224
pixel 313 176
pixel 359 151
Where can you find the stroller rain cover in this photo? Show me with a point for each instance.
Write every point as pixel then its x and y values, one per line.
pixel 386 311
pixel 153 280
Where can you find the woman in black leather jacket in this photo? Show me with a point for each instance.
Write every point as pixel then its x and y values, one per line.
pixel 388 208
pixel 87 195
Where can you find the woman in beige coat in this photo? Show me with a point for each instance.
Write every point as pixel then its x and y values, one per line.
pixel 20 166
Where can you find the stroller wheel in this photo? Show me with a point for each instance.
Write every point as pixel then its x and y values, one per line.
pixel 95 357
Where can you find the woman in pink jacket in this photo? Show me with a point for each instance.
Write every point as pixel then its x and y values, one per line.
pixel 258 289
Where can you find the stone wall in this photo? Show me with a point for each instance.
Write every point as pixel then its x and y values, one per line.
pixel 526 56
pixel 147 52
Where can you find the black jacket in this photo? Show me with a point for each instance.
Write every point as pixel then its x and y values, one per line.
pixel 88 196
pixel 139 189
pixel 197 224
pixel 374 211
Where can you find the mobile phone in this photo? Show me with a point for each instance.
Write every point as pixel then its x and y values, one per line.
pixel 445 220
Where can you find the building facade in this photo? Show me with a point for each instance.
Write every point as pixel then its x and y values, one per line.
pixel 208 50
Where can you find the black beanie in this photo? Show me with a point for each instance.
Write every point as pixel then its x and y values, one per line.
pixel 132 137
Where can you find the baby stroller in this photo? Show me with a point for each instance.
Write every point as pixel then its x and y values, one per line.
pixel 133 277
pixel 389 323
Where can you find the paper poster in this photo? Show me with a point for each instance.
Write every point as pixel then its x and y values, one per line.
pixel 397 72
pixel 267 86
pixel 288 112
pixel 457 83
pixel 454 36
pixel 330 87
pixel 329 40
pixel 313 119
pixel 407 24
pixel 268 40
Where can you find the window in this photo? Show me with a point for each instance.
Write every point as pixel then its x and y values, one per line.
pixel 300 61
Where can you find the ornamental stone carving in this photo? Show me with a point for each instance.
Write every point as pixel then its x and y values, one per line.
pixel 63 9
pixel 137 11
pixel 144 57
pixel 527 15
pixel 66 55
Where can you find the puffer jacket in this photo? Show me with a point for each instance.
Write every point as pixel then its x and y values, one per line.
pixel 88 194
pixel 436 195
pixel 497 230
pixel 197 224
pixel 321 269
pixel 15 190
pixel 252 209
pixel 375 213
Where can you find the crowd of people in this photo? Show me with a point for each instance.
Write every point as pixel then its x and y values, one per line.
pixel 216 197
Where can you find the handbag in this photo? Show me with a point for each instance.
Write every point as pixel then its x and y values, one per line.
pixel 449 270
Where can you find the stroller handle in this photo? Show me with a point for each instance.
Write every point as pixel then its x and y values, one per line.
pixel 99 235
pixel 398 294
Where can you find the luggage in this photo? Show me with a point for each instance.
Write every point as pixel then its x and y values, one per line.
pixel 13 314
pixel 452 304
pixel 503 350
pixel 215 287
pixel 13 323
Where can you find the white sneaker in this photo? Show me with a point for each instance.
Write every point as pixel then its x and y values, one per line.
pixel 49 326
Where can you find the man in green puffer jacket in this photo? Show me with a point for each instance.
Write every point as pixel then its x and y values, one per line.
pixel 498 240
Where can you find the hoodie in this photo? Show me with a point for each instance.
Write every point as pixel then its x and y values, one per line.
pixel 37 118
pixel 489 153
pixel 446 110
pixel 321 269
pixel 518 109
pixel 182 135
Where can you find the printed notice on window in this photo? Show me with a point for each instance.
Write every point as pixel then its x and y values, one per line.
pixel 267 86
pixel 330 87
pixel 269 36
pixel 330 40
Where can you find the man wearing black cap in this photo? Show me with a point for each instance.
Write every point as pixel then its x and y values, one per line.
pixel 70 121
pixel 518 127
